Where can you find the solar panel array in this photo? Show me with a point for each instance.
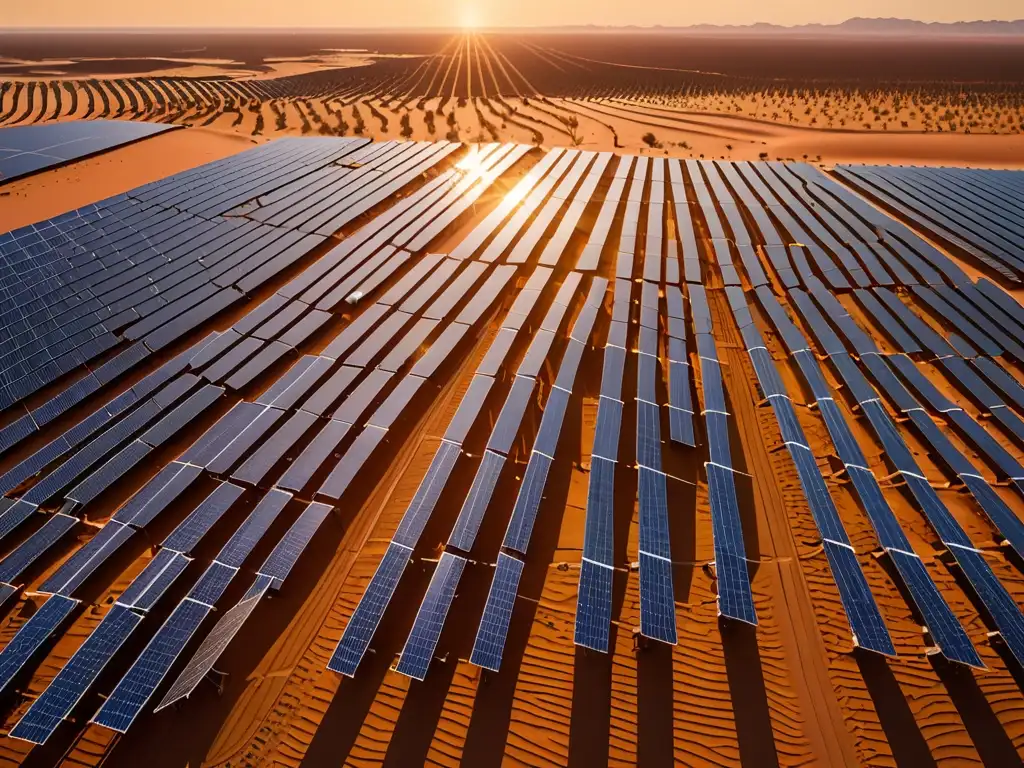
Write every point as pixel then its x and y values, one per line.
pixel 28 149
pixel 231 355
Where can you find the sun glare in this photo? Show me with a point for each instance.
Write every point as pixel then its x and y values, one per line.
pixel 469 18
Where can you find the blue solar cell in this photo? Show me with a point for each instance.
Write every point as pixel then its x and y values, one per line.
pixel 789 426
pixel 87 559
pixel 367 615
pixel 711 385
pixel 30 550
pixel 224 430
pixel 159 573
pixel 236 448
pixel 735 599
pixel 611 373
pixel 477 500
pixel 524 513
pixel 942 624
pixel 259 465
pixel 606 431
pixel 657 599
pixel 866 623
pixel 823 509
pixel 426 629
pixel 507 426
pixel 847 449
pixel 427 494
pixel 717 425
pixel 599 524
pixel 249 533
pixel 115 468
pixel 212 583
pixel 1002 607
pixel 180 417
pixel 679 386
pixel 15 513
pixel 282 559
pixel 193 528
pixel 594 606
pixel 32 635
pixel 551 422
pixel 489 644
pixel 648 435
pixel 352 462
pixel 469 409
pixel 130 695
pixel 617 334
pixel 59 698
pixel 653 513
pixel 315 454
pixel 680 425
pixel 154 497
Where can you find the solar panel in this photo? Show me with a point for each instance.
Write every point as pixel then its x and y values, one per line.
pixel 367 615
pixel 16 513
pixel 87 559
pixel 490 637
pixel 648 435
pixel 282 559
pixel 711 385
pixel 427 494
pixel 359 399
pixel 887 528
pixel 735 600
pixel 942 624
pixel 617 334
pixel 315 454
pixel 109 473
pixel 396 403
pixel 224 430
pixel 259 465
pixel 471 515
pixel 64 692
pixel 234 449
pixel 249 533
pixel 507 426
pixel 551 422
pixel 440 350
pixel 181 416
pixel 657 599
pixel 1005 612
pixel 537 353
pixel 426 629
pixel 823 509
pixel 611 372
pixel 352 461
pixel 30 550
pixel 846 445
pixel 996 510
pixel 200 520
pixel 524 513
pixel 606 431
pixel 159 573
pixel 469 408
pixel 328 393
pixel 594 606
pixel 130 695
pixel 214 645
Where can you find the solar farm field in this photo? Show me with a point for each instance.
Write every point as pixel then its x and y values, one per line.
pixel 339 451
pixel 746 97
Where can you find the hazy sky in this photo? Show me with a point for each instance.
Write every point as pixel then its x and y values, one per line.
pixel 406 13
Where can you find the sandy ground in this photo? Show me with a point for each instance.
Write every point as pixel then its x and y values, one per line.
pixel 791 694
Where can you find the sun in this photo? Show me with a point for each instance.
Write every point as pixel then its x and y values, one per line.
pixel 469 18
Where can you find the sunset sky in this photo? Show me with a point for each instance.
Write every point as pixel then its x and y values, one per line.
pixel 493 13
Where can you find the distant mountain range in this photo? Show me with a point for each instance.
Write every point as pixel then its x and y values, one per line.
pixel 855 26
pixel 851 27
